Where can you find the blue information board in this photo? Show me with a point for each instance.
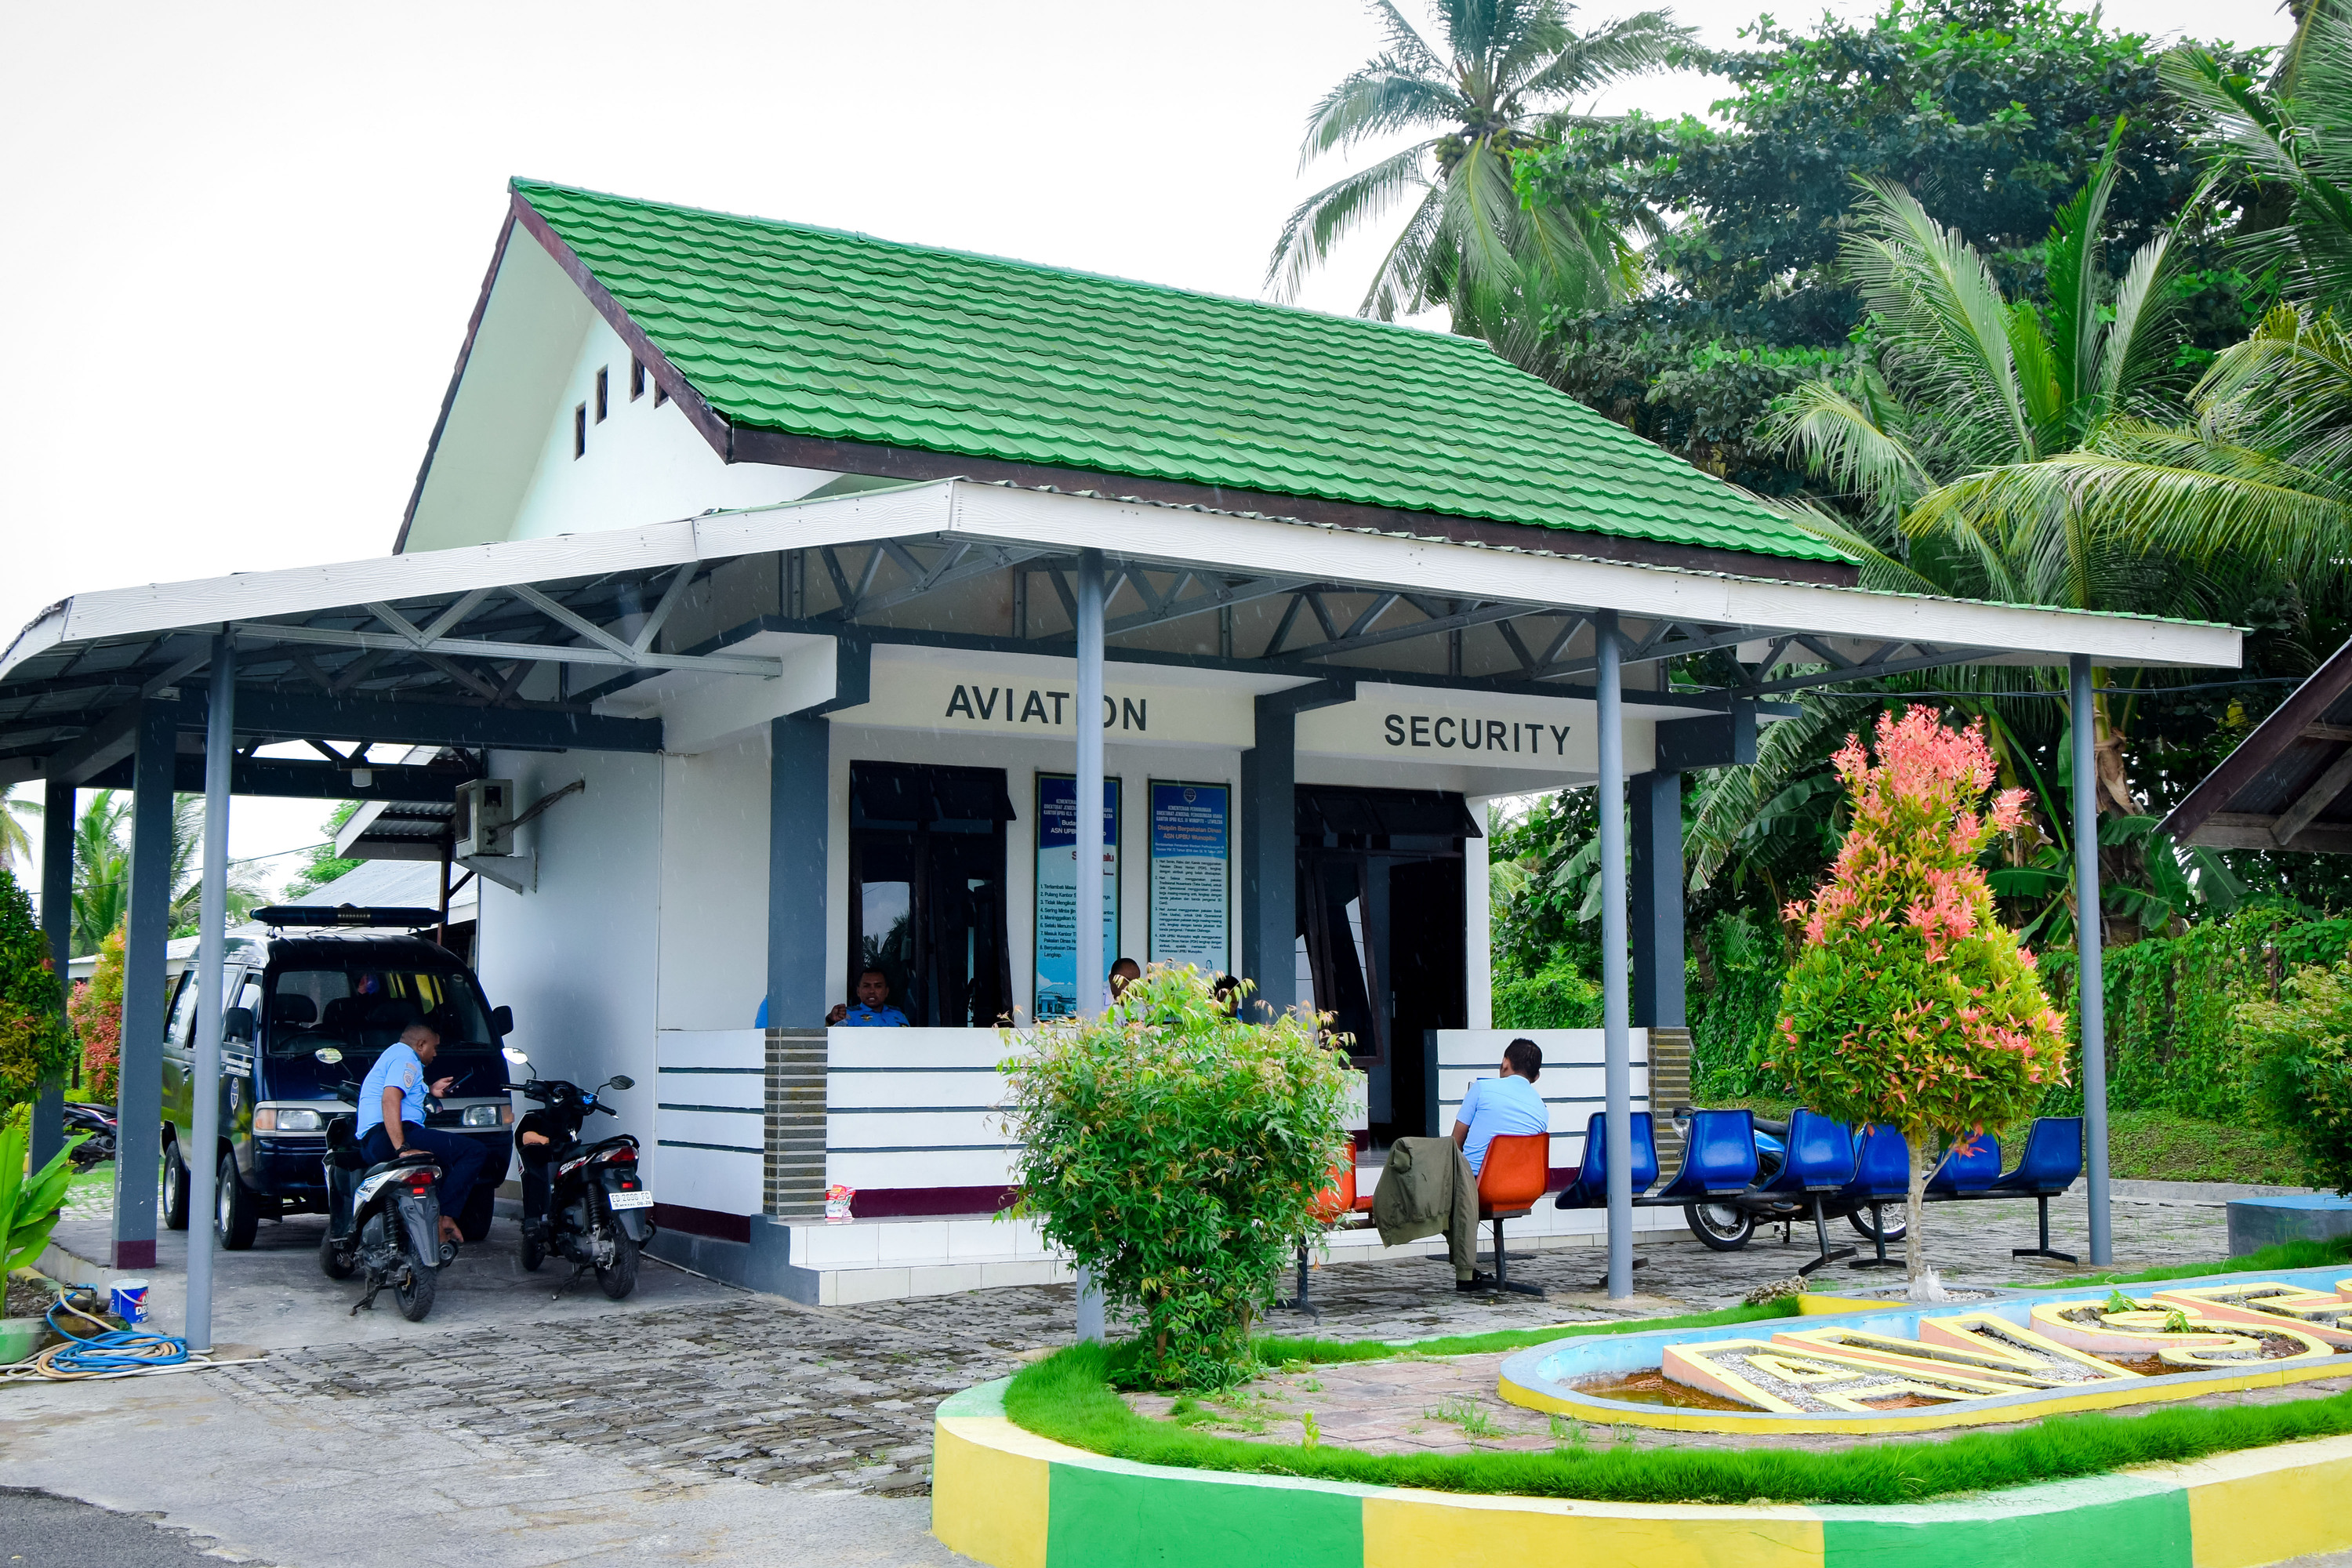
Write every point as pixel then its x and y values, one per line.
pixel 1056 989
pixel 1191 848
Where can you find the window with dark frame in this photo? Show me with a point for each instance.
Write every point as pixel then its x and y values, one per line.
pixel 580 431
pixel 603 392
pixel 636 378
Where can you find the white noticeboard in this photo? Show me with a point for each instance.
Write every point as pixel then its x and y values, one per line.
pixel 1191 850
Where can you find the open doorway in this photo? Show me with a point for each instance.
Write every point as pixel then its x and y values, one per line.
pixel 1381 935
pixel 926 891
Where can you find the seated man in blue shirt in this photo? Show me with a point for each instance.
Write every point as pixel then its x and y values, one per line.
pixel 1503 1105
pixel 873 1010
pixel 392 1119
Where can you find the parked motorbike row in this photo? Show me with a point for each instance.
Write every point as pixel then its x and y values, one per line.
pixel 384 1220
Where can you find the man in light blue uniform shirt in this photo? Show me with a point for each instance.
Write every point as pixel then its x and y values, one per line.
pixel 1502 1106
pixel 873 1010
pixel 391 1119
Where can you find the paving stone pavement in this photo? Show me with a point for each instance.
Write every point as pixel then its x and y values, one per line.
pixel 841 1399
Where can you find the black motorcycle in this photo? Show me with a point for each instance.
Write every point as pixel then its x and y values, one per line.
pixel 383 1220
pixel 599 1210
pixel 95 1126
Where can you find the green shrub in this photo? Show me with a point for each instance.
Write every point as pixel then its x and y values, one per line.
pixel 2300 1047
pixel 1176 1153
pixel 35 1043
pixel 1555 998
pixel 1911 1004
pixel 1732 1019
pixel 29 1205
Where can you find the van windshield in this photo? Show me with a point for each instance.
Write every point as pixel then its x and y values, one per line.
pixel 357 1012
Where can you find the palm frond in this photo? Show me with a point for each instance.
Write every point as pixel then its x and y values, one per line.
pixel 1378 100
pixel 1405 43
pixel 1399 285
pixel 1480 211
pixel 2074 271
pixel 1945 323
pixel 2137 348
pixel 2162 492
pixel 1730 800
pixel 1629 45
pixel 1527 35
pixel 1324 219
pixel 1881 572
pixel 1839 438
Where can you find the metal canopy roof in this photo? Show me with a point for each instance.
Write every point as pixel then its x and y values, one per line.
pixel 520 645
pixel 2289 785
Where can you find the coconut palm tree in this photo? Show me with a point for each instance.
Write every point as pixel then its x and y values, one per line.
pixel 16 839
pixel 1503 67
pixel 102 863
pixel 1969 391
pixel 2259 463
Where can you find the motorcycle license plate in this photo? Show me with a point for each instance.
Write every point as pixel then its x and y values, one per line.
pixel 639 1199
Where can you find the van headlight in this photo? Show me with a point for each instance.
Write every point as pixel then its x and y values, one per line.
pixel 287 1118
pixel 487 1115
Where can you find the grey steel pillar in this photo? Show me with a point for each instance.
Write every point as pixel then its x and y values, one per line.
pixel 2092 1000
pixel 799 818
pixel 140 1100
pixel 1617 1046
pixel 1656 899
pixel 1269 851
pixel 212 953
pixel 1088 824
pixel 56 924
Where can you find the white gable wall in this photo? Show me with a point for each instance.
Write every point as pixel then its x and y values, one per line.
pixel 504 467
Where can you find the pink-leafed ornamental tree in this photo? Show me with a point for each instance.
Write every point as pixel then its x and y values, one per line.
pixel 1911 1004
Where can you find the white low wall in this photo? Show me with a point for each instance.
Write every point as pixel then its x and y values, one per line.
pixel 710 1118
pixel 1571 1085
pixel 916 1108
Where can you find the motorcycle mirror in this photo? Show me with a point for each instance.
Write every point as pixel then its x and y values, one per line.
pixel 621 1081
pixel 514 1056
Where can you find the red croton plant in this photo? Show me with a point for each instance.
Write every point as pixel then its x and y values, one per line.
pixel 1911 1004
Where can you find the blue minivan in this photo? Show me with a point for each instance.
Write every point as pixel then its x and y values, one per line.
pixel 310 1011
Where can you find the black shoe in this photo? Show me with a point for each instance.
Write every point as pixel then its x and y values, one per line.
pixel 535 1230
pixel 1475 1283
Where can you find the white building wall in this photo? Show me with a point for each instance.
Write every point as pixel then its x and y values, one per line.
pixel 577 960
pixel 504 467
pixel 714 886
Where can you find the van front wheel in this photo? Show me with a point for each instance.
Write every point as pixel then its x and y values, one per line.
pixel 173 1195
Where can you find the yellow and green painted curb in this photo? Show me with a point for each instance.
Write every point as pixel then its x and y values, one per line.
pixel 1010 1498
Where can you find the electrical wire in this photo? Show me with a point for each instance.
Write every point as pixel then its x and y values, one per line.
pixel 2101 690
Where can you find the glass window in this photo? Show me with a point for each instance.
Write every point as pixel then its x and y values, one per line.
pixel 365 1009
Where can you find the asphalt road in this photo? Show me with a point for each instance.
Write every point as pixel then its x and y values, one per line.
pixel 39 1531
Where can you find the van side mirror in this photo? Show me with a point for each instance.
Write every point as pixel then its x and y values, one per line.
pixel 501 1022
pixel 236 1024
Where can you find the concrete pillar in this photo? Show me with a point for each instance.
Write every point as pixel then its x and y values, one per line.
pixel 1269 852
pixel 139 1130
pixel 1617 1071
pixel 2092 999
pixel 211 951
pixel 56 924
pixel 1477 929
pixel 799 815
pixel 1656 899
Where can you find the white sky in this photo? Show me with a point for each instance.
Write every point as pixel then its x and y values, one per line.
pixel 247 236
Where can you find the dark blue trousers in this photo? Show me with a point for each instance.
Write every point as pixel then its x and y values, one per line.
pixel 461 1159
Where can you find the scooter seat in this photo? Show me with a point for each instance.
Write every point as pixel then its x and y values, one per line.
pixel 405 1157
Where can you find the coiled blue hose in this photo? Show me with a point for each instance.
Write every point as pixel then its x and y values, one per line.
pixel 111 1349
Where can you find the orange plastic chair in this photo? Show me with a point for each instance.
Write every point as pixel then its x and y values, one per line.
pixel 1339 1199
pixel 1333 1204
pixel 1516 1172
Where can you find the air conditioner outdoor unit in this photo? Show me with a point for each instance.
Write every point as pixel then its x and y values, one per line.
pixel 485 822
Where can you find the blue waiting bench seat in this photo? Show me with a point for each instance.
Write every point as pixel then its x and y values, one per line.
pixel 1819 1163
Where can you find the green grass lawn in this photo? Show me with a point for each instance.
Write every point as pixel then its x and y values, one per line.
pixel 2284 1255
pixel 1070 1397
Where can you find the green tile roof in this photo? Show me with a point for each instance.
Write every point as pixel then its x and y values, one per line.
pixel 817 333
